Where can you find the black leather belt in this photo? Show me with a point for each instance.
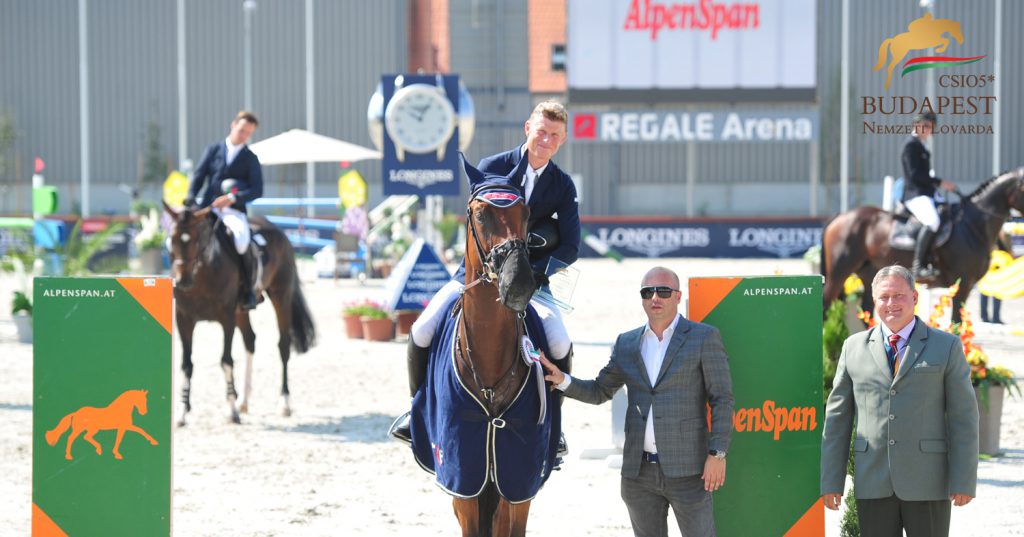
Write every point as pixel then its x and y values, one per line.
pixel 651 457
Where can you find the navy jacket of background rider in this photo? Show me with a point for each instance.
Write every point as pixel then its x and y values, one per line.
pixel 213 169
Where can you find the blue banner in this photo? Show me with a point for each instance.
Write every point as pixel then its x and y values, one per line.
pixel 739 238
pixel 421 151
pixel 418 275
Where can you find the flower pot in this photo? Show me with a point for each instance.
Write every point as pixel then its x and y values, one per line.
pixel 23 323
pixel 378 329
pixel 353 326
pixel 404 320
pixel 152 260
pixel 989 418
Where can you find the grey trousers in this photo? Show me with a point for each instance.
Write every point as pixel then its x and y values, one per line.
pixel 649 495
pixel 888 517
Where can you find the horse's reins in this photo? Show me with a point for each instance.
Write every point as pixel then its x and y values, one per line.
pixel 492 264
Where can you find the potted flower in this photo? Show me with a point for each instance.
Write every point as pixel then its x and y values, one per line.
pixel 150 243
pixel 990 382
pixel 21 312
pixel 377 324
pixel 352 314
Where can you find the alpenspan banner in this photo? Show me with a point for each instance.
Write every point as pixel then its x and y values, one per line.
pixel 771 328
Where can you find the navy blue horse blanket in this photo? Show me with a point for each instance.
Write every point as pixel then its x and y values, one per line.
pixel 455 438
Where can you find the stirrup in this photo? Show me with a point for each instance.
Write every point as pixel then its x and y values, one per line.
pixel 401 429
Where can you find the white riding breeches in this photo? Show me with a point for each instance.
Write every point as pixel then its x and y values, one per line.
pixel 923 207
pixel 238 224
pixel 423 329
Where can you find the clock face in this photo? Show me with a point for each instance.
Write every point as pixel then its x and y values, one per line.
pixel 419 118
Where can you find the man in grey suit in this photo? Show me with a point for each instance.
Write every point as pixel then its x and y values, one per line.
pixel 916 444
pixel 672 369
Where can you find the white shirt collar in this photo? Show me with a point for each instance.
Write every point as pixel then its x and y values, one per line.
pixel 904 333
pixel 668 331
pixel 232 150
pixel 529 170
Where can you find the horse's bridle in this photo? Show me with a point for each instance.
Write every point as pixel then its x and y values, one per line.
pixel 493 261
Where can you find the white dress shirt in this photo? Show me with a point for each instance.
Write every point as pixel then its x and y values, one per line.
pixel 653 352
pixel 233 151
pixel 531 177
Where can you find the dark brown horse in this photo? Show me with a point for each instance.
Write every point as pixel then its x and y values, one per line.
pixel 206 275
pixel 857 242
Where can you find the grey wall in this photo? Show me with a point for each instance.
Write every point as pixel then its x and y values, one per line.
pixel 132 55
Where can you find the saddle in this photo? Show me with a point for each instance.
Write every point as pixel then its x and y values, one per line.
pixel 905 226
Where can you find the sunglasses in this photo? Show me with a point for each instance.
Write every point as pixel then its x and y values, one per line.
pixel 663 292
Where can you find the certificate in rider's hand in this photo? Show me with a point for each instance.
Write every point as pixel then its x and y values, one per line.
pixel 561 285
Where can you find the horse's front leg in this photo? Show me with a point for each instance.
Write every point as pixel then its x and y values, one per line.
pixel 227 364
pixel 943 44
pixel 249 340
pixel 185 329
pixel 467 511
pixel 510 519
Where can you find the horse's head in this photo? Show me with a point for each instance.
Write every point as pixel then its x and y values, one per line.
pixel 137 398
pixel 496 252
pixel 952 27
pixel 1016 191
pixel 191 230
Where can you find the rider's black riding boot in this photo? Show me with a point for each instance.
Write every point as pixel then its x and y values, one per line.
pixel 417 358
pixel 921 268
pixel 247 298
pixel 565 364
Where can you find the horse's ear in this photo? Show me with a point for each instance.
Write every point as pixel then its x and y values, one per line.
pixel 520 169
pixel 474 175
pixel 201 213
pixel 169 210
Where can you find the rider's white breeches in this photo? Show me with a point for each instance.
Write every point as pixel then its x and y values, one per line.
pixel 923 207
pixel 238 225
pixel 426 325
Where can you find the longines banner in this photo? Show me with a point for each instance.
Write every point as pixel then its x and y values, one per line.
pixel 101 413
pixel 771 328
pixel 762 237
pixel 637 44
pixel 421 135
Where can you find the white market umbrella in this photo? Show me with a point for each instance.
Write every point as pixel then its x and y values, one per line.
pixel 298 145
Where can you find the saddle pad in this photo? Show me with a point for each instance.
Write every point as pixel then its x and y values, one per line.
pixel 903 234
pixel 454 438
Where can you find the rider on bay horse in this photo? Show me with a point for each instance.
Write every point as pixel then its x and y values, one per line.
pixel 230 167
pixel 919 189
pixel 549 191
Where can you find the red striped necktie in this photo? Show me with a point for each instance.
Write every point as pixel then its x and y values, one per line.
pixel 893 354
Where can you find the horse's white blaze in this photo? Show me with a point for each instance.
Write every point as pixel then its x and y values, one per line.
pixel 185 237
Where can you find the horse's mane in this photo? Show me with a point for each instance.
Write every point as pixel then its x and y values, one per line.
pixel 984 186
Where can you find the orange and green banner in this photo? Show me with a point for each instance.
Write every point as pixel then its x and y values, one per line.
pixel 771 327
pixel 101 417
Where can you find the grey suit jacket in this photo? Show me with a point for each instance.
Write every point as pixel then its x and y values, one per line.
pixel 917 434
pixel 695 373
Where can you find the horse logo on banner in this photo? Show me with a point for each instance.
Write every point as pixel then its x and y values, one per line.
pixel 91 420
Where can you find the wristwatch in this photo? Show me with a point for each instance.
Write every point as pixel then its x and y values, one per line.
pixel 717 454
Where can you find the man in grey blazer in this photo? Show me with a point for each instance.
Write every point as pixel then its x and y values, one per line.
pixel 672 369
pixel 916 443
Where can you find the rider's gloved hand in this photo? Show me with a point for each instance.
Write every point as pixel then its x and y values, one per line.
pixel 541 279
pixel 190 201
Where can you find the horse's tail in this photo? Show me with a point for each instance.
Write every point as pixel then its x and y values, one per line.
pixel 303 331
pixel 54 434
pixel 883 54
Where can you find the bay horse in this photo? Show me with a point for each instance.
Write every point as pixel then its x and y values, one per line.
pixel 206 276
pixel 477 362
pixel 857 242
pixel 91 420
